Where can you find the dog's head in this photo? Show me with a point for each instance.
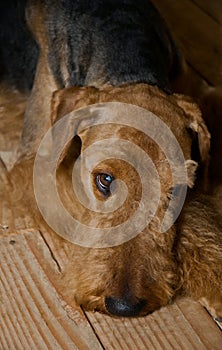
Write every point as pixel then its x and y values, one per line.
pixel 122 163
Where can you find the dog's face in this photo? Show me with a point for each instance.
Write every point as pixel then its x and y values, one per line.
pixel 135 273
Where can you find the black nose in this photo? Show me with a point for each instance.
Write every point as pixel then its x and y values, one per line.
pixel 124 307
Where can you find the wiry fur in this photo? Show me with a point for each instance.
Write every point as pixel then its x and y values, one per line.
pixel 117 51
pixel 199 251
pixel 152 266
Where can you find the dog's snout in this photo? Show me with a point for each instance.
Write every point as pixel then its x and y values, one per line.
pixel 124 307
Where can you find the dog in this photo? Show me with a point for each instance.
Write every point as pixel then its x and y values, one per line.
pixel 104 55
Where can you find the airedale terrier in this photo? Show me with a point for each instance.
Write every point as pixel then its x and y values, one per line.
pixel 75 54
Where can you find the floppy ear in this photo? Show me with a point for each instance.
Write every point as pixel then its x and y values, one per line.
pixel 66 100
pixel 197 124
pixel 63 102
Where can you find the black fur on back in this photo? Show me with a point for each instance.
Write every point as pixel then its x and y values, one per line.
pixel 105 41
pixel 18 50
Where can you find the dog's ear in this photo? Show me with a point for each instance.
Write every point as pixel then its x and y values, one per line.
pixel 197 124
pixel 66 100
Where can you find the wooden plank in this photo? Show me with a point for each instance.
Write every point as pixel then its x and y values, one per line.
pixel 212 8
pixel 198 35
pixel 33 317
pixel 185 325
pixel 201 323
pixel 31 312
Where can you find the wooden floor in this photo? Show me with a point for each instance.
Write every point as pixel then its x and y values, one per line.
pixel 197 26
pixel 33 314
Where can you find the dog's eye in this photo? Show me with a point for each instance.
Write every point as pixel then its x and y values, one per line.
pixel 103 182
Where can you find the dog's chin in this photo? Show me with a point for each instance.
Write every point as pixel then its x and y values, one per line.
pixel 107 305
pixel 99 305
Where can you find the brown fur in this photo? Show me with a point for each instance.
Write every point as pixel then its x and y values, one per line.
pixel 199 251
pixel 152 267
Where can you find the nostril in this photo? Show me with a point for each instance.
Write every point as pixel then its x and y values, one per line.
pixel 124 307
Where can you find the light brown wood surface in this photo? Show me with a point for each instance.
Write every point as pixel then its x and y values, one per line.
pixel 34 316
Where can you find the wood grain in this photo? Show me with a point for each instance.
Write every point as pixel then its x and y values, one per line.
pixel 212 8
pixel 185 325
pixel 31 312
pixel 198 34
